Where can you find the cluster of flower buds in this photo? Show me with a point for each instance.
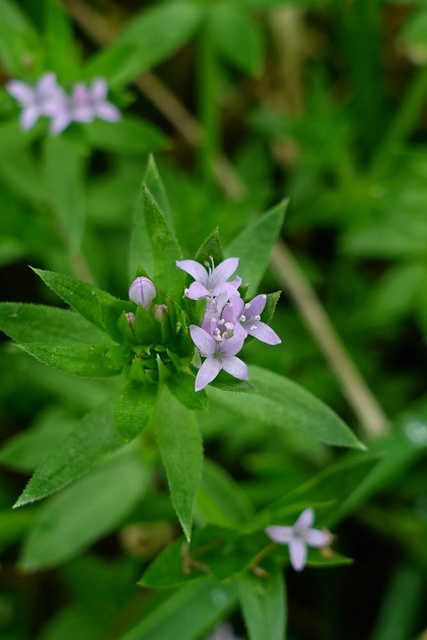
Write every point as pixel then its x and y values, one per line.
pixel 227 322
pixel 47 98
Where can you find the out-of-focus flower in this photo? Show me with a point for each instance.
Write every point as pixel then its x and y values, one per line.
pixel 299 537
pixel 211 281
pixel 45 98
pixel 219 353
pixel 223 632
pixel 142 291
pixel 90 101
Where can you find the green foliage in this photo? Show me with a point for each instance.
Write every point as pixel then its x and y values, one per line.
pixel 91 361
pixel 263 605
pixel 133 409
pixel 181 447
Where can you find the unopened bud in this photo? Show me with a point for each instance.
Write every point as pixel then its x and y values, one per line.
pixel 159 311
pixel 142 291
pixel 130 317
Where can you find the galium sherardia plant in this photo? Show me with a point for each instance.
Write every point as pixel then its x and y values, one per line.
pixel 172 345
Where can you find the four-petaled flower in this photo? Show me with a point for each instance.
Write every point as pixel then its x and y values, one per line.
pixel 45 98
pixel 299 537
pixel 89 102
pixel 211 281
pixel 219 354
pixel 249 317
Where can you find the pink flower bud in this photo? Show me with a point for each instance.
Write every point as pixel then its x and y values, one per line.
pixel 142 291
pixel 159 311
pixel 130 317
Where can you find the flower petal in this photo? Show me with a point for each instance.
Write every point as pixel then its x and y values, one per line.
pixel 232 345
pixel 261 331
pixel 298 553
pixel 317 538
pixel 59 123
pixel 233 310
pixel 256 306
pixel 47 83
pixel 207 372
pixel 29 116
pixel 281 535
pixel 99 89
pixel 222 272
pixel 203 341
pixel 107 111
pixel 235 367
pixel 195 269
pixel 21 91
pixel 305 520
pixel 196 291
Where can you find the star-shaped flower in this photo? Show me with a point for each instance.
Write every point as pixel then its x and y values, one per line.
pixel 90 102
pixel 249 317
pixel 211 281
pixel 45 98
pixel 220 354
pixel 299 537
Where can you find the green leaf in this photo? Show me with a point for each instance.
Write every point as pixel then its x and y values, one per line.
pixel 17 166
pixel 237 37
pixel 182 387
pixel 263 602
pixel 181 447
pixel 157 189
pixel 19 40
pixel 91 361
pixel 326 492
pixel 129 135
pixel 26 450
pixel 133 409
pixel 190 612
pixel 254 244
pixel 63 56
pixel 164 247
pixel 39 323
pixel 283 403
pixel 85 298
pixel 84 512
pixel 211 248
pixel 63 175
pixel 151 37
pixel 84 447
pixel 220 500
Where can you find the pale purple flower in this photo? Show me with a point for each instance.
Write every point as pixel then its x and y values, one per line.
pixel 45 98
pixel 223 632
pixel 220 353
pixel 142 291
pixel 159 311
pixel 211 281
pixel 249 317
pixel 90 101
pixel 299 537
pixel 130 317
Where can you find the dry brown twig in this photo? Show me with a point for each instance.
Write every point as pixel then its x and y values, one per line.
pixel 372 418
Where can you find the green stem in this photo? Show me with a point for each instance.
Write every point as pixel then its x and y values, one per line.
pixel 208 86
pixel 404 121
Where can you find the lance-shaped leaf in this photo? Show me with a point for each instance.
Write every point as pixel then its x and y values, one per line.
pixel 211 248
pixel 84 512
pixel 133 409
pixel 188 613
pixel 182 387
pixel 254 244
pixel 263 602
pixel 80 450
pixel 283 403
pixel 40 323
pixel 164 247
pixel 61 47
pixel 181 447
pixel 88 360
pixel 85 298
pixel 157 189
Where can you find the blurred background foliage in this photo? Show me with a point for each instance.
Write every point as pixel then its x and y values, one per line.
pixel 243 102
